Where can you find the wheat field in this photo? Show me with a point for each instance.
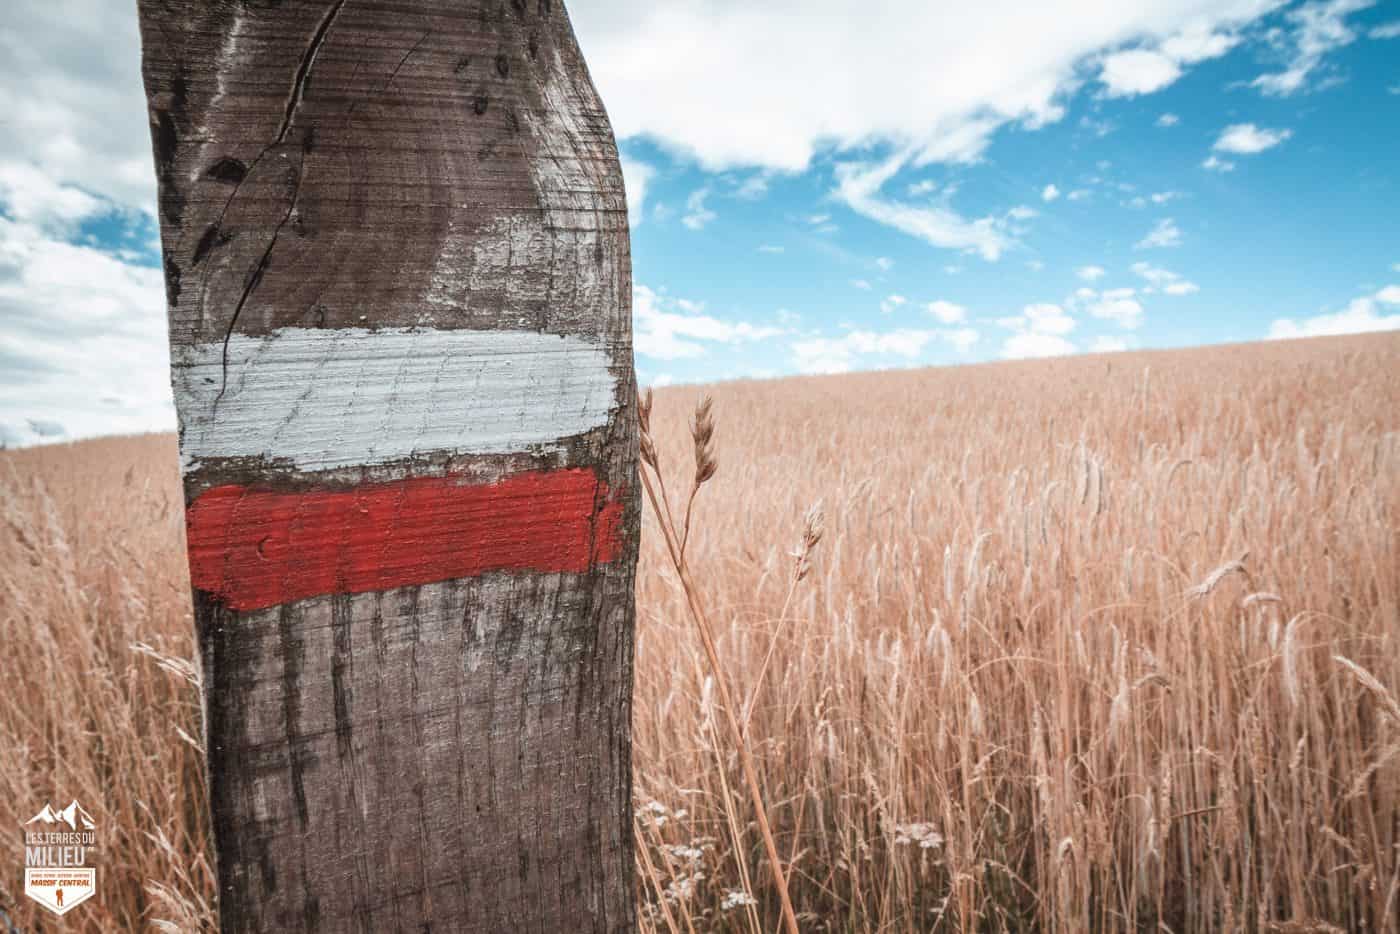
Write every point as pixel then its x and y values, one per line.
pixel 1109 643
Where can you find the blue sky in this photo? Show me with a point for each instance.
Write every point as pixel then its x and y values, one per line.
pixel 821 186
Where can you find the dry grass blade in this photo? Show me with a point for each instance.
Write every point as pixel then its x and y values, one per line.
pixel 702 431
pixel 813 527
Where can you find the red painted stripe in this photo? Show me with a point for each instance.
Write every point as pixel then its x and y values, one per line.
pixel 255 548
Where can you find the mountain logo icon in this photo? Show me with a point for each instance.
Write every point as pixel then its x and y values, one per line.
pixel 74 816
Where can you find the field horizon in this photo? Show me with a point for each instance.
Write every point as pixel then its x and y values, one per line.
pixel 1104 643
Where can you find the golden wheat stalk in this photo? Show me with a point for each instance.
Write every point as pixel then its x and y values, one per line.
pixel 702 430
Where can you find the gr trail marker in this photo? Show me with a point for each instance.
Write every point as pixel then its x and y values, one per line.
pixel 398 277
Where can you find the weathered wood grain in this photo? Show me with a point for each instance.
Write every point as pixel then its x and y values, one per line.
pixel 398 279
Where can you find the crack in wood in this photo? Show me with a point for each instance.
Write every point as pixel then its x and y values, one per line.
pixel 308 61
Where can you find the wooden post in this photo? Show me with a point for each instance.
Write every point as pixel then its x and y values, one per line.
pixel 397 267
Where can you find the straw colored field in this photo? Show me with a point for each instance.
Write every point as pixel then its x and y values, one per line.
pixel 1108 643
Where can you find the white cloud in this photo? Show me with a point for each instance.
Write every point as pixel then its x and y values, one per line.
pixel 70 79
pixel 1164 234
pixel 1045 318
pixel 1200 44
pixel 838 355
pixel 1360 315
pixel 962 339
pixel 1164 197
pixel 771 248
pixel 1389 30
pixel 1027 345
pixel 1246 139
pixel 664 334
pixel 1317 29
pixel 919 189
pixel 32 196
pixel 1090 273
pixel 1164 280
pixel 1137 71
pixel 947 312
pixel 1109 345
pixel 891 303
pixel 885 263
pixel 1039 332
pixel 1116 305
pixel 708 80
pixel 705 80
pixel 1079 194
pixel 1143 70
pixel 861 284
pixel 1168 119
pixel 697 215
pixel 1050 193
pixel 83 345
pixel 753 187
pixel 1099 128
pixel 859 184
pixel 636 176
pixel 1216 164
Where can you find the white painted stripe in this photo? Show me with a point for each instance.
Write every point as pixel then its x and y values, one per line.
pixel 330 398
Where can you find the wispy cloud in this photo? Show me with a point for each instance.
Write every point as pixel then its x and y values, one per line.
pixel 753 187
pixel 1117 305
pixel 1315 30
pixel 1379 311
pixel 1164 234
pixel 859 185
pixel 838 355
pixel 890 303
pixel 672 329
pixel 1164 280
pixel 697 214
